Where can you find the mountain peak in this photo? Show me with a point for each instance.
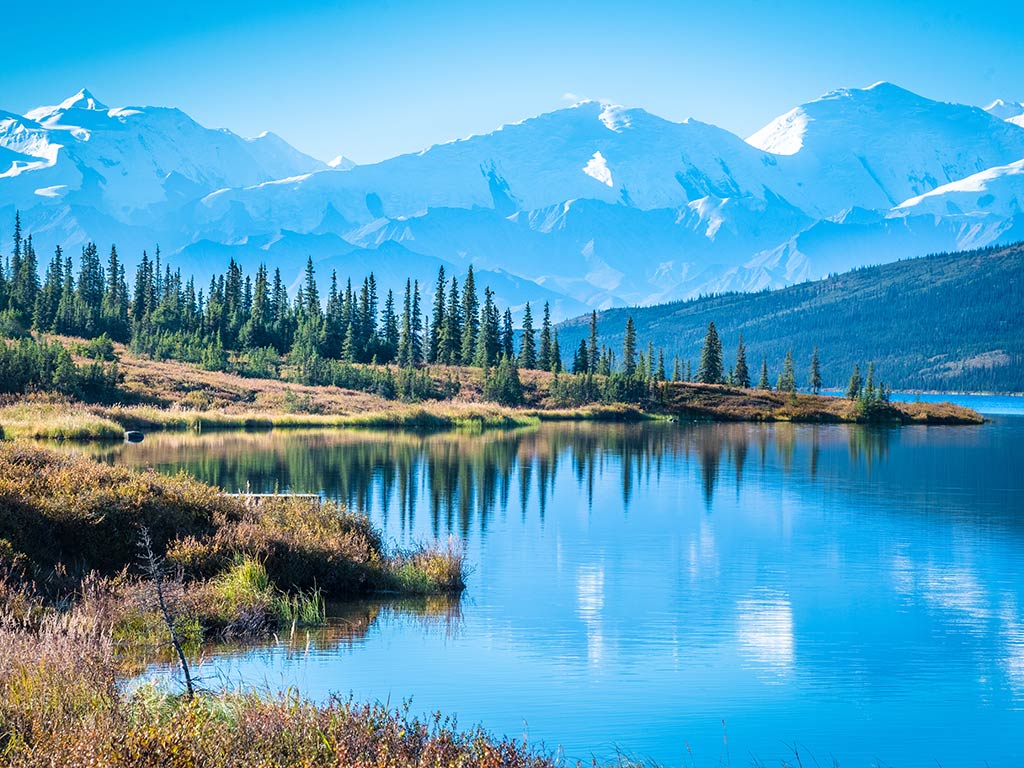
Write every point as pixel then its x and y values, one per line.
pixel 82 100
pixel 1004 110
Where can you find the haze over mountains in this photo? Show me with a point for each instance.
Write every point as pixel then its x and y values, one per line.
pixel 589 206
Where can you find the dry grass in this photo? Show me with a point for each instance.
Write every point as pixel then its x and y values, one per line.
pixel 44 419
pixel 61 704
pixel 64 516
pixel 724 403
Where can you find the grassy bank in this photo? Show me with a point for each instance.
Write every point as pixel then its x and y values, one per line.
pixel 238 565
pixel 76 617
pixel 724 403
pixel 169 395
pixel 61 704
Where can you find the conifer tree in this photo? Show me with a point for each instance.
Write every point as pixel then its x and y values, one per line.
pixel 869 385
pixel 659 374
pixel 489 338
pixel 763 382
pixel 580 359
pixel 449 347
pixel 787 379
pixel 855 387
pixel 417 325
pixel 528 345
pixel 556 355
pixel 544 358
pixel 741 375
pixel 508 335
pixel 592 352
pixel 405 329
pixel 710 369
pixel 48 298
pixel 629 348
pixel 815 378
pixel 24 281
pixel 437 320
pixel 391 329
pixel 470 318
pixel 311 292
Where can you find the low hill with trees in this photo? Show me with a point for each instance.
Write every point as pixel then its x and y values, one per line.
pixel 947 322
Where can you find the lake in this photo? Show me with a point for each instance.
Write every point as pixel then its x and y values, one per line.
pixel 696 594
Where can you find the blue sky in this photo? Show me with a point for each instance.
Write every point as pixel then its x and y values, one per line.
pixel 371 80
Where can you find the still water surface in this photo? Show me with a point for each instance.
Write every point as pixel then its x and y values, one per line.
pixel 692 593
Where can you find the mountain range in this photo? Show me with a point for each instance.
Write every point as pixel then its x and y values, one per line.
pixel 590 206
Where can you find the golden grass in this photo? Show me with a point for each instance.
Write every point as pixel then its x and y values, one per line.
pixel 43 420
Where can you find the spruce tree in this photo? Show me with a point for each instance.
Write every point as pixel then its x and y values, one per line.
pixel 710 369
pixel 763 382
pixel 556 355
pixel 592 352
pixel 470 319
pixel 406 330
pixel 390 329
pixel 815 378
pixel 869 385
pixel 544 358
pixel 787 379
pixel 25 282
pixel 417 325
pixel 449 346
pixel 580 359
pixel 508 335
pixel 629 348
pixel 528 345
pixel 437 320
pixel 48 298
pixel 741 375
pixel 854 388
pixel 659 374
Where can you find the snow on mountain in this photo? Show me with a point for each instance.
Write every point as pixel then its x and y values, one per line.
pixel 997 192
pixel 546 160
pixel 874 147
pixel 1005 110
pixel 342 163
pixel 592 205
pixel 131 161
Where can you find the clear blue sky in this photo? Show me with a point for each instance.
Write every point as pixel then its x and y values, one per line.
pixel 374 79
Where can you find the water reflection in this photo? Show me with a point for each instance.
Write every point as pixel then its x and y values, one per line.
pixel 465 479
pixel 856 590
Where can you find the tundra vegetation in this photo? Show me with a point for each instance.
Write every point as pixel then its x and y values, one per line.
pixel 81 606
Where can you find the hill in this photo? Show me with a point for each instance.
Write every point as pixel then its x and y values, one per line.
pixel 948 322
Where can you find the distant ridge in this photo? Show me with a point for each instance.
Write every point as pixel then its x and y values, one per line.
pixel 949 322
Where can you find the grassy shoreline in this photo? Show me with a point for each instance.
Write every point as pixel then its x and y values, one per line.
pixel 175 396
pixel 76 619
pixel 46 418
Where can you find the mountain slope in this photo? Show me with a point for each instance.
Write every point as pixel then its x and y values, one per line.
pixel 875 147
pixel 949 321
pixel 131 162
pixel 596 204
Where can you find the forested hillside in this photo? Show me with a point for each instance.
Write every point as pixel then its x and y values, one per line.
pixel 951 321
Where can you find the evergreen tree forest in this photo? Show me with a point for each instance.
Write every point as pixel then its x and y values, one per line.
pixel 340 333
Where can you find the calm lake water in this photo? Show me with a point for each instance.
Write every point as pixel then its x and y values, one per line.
pixel 697 594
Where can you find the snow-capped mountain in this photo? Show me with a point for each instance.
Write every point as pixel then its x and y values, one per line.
pixel 592 205
pixel 1005 110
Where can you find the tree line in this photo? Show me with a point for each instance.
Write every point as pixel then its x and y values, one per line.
pixel 349 337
